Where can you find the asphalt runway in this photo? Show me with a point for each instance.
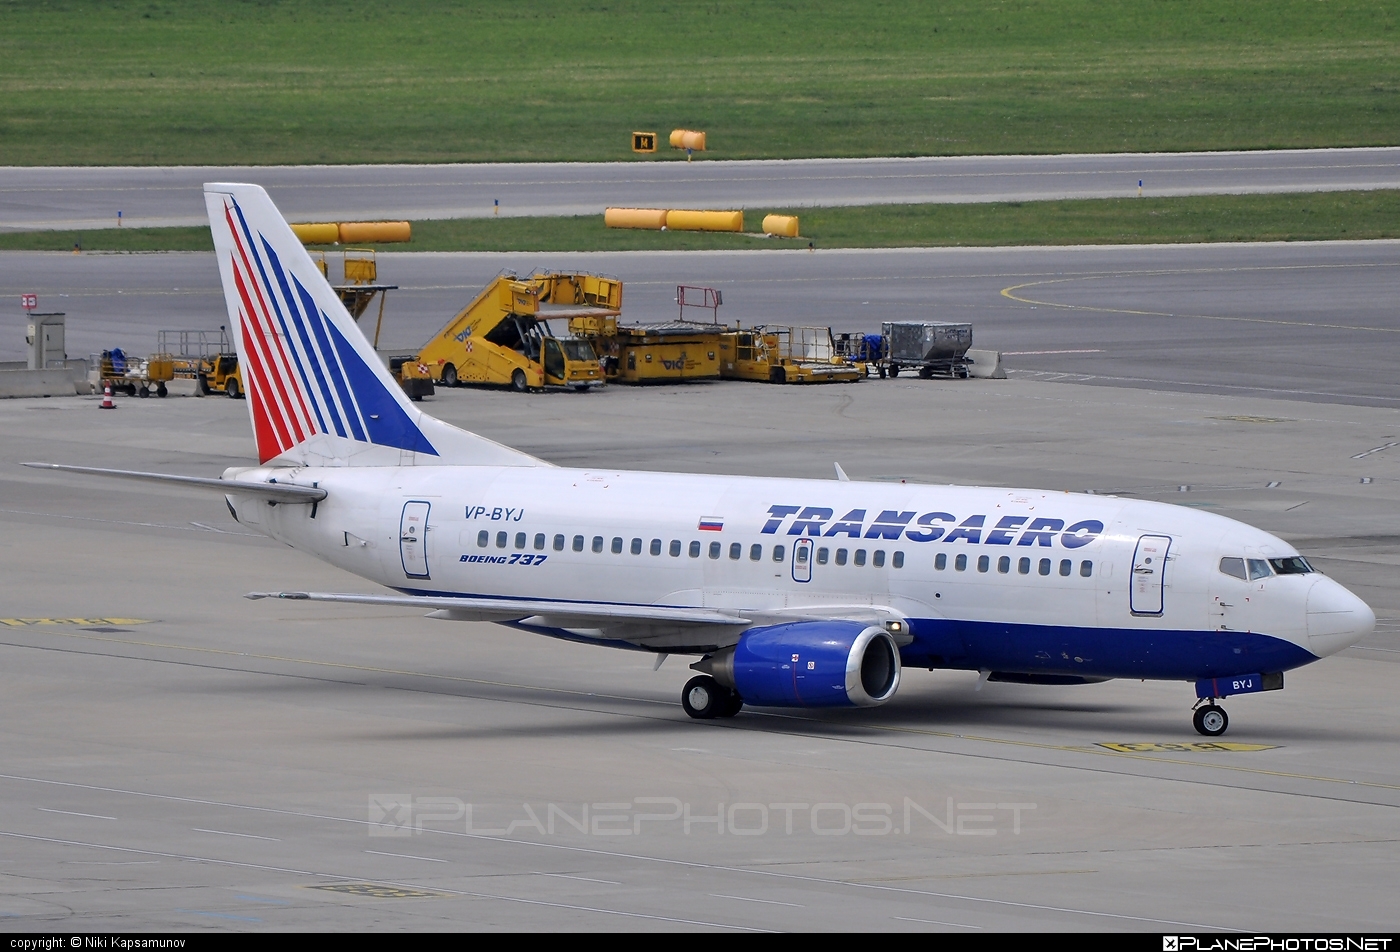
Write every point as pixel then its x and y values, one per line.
pixel 43 198
pixel 176 757
pixel 1311 322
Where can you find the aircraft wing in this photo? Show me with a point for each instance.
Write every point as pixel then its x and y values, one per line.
pixel 477 608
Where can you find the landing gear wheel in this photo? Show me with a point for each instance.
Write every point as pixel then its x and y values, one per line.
pixel 232 389
pixel 1210 720
pixel 703 697
pixel 518 383
pixel 449 376
pixel 730 705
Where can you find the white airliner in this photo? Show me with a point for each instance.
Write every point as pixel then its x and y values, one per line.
pixel 794 593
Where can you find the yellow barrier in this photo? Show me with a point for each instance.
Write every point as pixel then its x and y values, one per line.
pixel 360 232
pixel 682 220
pixel 317 234
pixel 688 139
pixel 653 218
pixel 784 226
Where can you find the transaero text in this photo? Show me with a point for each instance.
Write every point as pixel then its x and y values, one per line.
pixel 931 527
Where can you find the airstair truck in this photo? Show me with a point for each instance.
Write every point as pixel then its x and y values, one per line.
pixel 503 336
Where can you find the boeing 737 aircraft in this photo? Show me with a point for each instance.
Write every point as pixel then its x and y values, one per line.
pixel 792 592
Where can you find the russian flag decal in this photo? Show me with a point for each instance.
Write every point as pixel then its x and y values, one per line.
pixel 711 524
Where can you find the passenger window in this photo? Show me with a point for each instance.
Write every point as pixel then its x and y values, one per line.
pixel 898 561
pixel 960 563
pixel 520 540
pixel 500 540
pixel 823 555
pixel 539 541
pixel 1086 568
pixel 1258 568
pixel 483 538
pixel 860 557
pixel 1066 566
pixel 940 561
pixel 715 548
pixel 578 543
pixel 597 543
pixel 559 543
pixel 736 549
pixel 694 549
pixel 779 553
pixel 1233 567
pixel 984 562
pixel 879 558
pixel 840 556
pixel 675 548
pixel 655 547
pixel 1004 564
pixel 617 545
pixel 1023 566
pixel 1044 566
pixel 636 546
pixel 755 553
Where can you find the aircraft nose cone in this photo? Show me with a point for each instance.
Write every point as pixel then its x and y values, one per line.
pixel 1336 618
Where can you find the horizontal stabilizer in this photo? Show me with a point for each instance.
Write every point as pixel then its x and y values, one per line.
pixel 271 491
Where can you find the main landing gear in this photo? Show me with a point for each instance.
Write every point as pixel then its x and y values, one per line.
pixel 1210 719
pixel 705 698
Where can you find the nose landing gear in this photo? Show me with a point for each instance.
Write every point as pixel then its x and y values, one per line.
pixel 1210 719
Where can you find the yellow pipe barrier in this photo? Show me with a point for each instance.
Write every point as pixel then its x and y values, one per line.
pixel 652 218
pixel 688 139
pixel 323 234
pixel 363 232
pixel 783 226
pixel 684 220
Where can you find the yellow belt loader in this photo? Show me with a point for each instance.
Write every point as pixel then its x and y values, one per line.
pixel 785 355
pixel 503 336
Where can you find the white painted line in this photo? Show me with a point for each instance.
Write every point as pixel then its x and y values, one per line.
pixel 246 836
pixel 934 922
pixel 582 879
pixel 92 816
pixel 426 859
pixel 1033 353
pixel 766 902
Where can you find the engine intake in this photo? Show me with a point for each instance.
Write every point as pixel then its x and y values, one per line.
pixel 809 664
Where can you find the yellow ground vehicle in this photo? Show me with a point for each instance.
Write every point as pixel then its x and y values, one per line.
pixel 652 353
pixel 135 375
pixel 219 373
pixel 785 355
pixel 204 357
pixel 503 336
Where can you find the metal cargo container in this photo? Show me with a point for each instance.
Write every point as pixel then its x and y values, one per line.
pixel 928 347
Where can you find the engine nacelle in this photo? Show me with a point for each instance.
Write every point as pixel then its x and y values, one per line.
pixel 809 664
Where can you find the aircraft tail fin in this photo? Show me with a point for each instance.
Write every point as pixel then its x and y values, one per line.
pixel 318 394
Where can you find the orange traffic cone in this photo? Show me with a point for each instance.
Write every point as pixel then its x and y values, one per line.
pixel 107 403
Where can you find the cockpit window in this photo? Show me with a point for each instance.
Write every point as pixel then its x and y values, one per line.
pixel 1258 568
pixel 1294 565
pixel 1234 567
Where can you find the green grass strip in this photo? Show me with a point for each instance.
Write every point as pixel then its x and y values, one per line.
pixel 1315 216
pixel 262 82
